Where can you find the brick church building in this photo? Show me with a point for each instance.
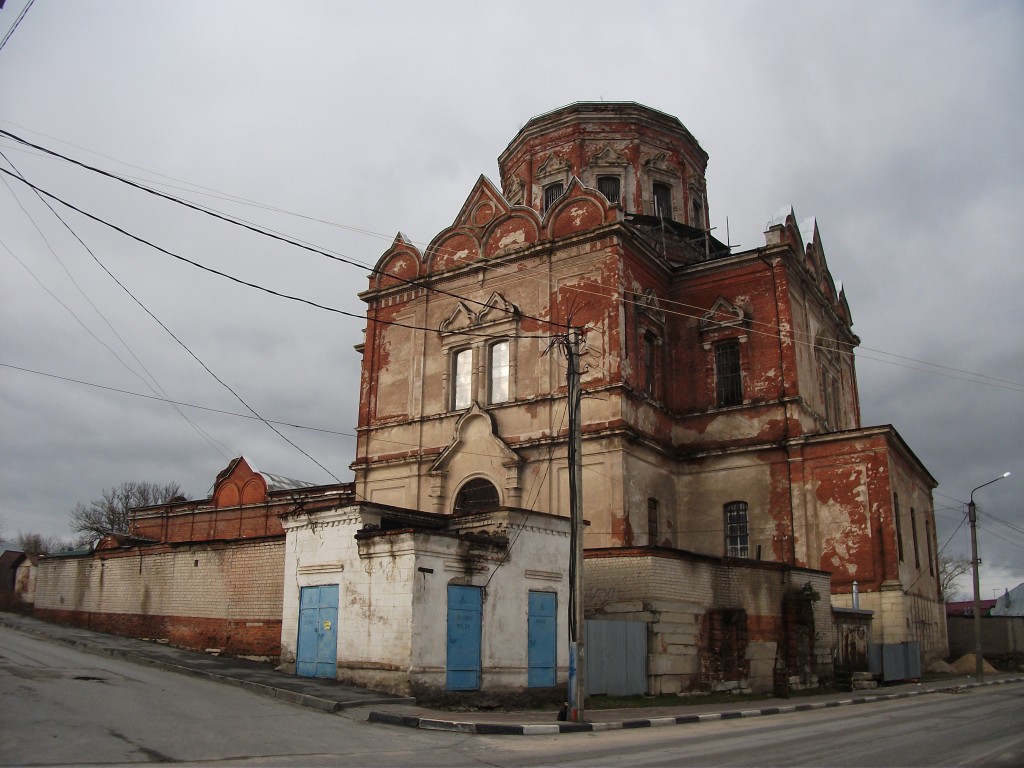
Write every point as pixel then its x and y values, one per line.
pixel 721 416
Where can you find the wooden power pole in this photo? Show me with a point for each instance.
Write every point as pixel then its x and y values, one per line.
pixel 577 629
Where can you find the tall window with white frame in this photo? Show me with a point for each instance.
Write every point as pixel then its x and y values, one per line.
pixel 462 378
pixel 737 538
pixel 499 373
pixel 728 377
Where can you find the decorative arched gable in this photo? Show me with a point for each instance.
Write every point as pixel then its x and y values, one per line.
pixel 476 451
pixel 400 263
pixel 461 242
pixel 580 208
pixel 239 484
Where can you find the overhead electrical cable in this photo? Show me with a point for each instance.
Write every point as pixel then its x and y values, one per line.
pixel 247 283
pixel 17 21
pixel 155 386
pixel 846 348
pixel 261 231
pixel 162 325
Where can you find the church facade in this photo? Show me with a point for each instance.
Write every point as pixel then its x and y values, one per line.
pixel 720 413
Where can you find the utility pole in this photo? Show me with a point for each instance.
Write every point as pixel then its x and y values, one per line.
pixel 972 516
pixel 577 643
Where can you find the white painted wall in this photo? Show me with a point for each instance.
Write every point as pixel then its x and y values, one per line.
pixel 392 613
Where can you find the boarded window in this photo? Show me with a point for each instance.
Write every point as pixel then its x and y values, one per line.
pixel 899 527
pixel 652 522
pixel 728 379
pixel 737 540
pixel 913 533
pixel 663 201
pixel 650 366
pixel 609 186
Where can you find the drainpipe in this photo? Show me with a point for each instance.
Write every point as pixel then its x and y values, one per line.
pixel 856 597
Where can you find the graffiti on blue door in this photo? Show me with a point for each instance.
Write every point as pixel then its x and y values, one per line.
pixel 542 654
pixel 464 625
pixel 317 654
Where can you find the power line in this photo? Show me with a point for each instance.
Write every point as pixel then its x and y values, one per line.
pixel 155 387
pixel 846 348
pixel 17 21
pixel 258 230
pixel 247 283
pixel 162 325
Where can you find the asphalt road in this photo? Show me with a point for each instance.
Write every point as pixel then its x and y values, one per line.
pixel 60 706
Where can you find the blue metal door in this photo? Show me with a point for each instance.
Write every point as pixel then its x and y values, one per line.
pixel 317 654
pixel 463 657
pixel 541 639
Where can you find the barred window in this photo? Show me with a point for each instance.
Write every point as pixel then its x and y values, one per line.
pixel 609 186
pixel 728 379
pixel 552 192
pixel 737 540
pixel 477 495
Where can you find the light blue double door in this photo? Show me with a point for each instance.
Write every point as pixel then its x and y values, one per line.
pixel 317 653
pixel 465 625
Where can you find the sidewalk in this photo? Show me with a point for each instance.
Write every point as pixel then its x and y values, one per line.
pixel 332 696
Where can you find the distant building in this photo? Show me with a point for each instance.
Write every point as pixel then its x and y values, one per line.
pixel 203 574
pixel 1010 603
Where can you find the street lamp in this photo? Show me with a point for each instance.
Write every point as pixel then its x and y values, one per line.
pixel 972 516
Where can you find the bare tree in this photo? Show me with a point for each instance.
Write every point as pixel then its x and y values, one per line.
pixel 37 544
pixel 110 513
pixel 951 568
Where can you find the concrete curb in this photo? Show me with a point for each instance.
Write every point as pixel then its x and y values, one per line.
pixel 550 729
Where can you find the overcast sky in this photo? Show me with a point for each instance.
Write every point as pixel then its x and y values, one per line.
pixel 898 126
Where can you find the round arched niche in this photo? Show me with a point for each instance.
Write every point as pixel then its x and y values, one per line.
pixel 477 495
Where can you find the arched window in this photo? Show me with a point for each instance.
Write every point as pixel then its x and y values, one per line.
pixel 737 539
pixel 477 495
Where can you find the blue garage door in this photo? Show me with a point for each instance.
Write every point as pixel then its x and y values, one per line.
pixel 317 654
pixel 541 639
pixel 463 657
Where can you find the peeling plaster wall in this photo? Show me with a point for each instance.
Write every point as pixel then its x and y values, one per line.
pixel 672 592
pixel 392 613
